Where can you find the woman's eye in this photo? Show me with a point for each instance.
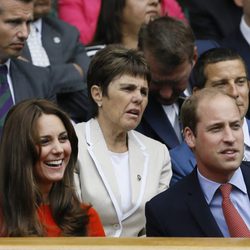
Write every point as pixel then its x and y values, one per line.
pixel 44 141
pixel 63 138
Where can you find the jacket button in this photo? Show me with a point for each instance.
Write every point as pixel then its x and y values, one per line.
pixel 116 226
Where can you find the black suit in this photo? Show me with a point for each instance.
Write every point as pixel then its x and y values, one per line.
pixel 213 19
pixel 182 211
pixel 236 41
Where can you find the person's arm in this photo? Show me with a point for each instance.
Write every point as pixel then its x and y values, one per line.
pixel 166 171
pixel 153 226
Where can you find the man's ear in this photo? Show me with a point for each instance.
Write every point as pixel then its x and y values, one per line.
pixel 189 137
pixel 239 3
pixel 96 94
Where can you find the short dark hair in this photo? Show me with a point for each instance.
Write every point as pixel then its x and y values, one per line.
pixel 23 1
pixel 189 115
pixel 169 40
pixel 211 56
pixel 113 61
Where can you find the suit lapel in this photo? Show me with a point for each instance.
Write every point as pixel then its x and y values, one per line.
pixel 52 41
pixel 159 122
pixel 18 79
pixel 200 209
pixel 99 152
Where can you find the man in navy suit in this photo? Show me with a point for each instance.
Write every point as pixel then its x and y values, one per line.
pixel 170 50
pixel 223 69
pixel 193 207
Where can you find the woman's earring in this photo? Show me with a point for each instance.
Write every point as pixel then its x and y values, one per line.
pixel 99 104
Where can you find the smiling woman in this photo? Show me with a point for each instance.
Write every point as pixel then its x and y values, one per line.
pixel 38 154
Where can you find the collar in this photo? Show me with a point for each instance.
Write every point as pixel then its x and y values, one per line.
pixel 210 187
pixel 245 30
pixel 38 25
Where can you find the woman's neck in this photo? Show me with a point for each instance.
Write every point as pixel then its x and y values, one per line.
pixel 115 139
pixel 130 38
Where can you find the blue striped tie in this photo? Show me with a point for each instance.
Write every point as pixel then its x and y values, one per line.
pixel 6 101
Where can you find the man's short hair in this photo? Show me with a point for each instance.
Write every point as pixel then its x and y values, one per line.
pixel 169 40
pixel 189 115
pixel 23 1
pixel 211 56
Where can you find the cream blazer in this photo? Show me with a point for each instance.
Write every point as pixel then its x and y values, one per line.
pixel 150 173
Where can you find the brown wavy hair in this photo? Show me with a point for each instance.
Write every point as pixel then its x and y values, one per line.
pixel 19 192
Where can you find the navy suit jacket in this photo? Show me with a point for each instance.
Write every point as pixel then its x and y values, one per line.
pixel 182 210
pixel 183 160
pixel 236 41
pixel 156 124
pixel 63 47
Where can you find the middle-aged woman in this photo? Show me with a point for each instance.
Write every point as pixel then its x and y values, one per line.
pixel 38 154
pixel 119 168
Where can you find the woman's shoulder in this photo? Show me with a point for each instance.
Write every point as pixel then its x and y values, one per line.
pixel 147 140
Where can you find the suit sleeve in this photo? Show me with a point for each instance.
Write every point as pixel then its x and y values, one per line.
pixel 153 226
pixel 166 171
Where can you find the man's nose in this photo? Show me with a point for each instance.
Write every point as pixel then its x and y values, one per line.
pixel 24 31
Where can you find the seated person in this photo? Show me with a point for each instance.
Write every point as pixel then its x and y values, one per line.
pixel 170 50
pixel 212 201
pixel 119 22
pixel 221 69
pixel 84 13
pixel 239 38
pixel 125 167
pixel 38 154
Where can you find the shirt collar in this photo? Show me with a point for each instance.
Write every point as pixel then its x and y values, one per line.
pixel 245 30
pixel 38 25
pixel 210 187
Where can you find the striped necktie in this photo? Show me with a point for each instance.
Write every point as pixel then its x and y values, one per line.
pixel 6 101
pixel 236 225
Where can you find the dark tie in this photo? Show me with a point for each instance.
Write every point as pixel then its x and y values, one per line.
pixel 6 101
pixel 236 225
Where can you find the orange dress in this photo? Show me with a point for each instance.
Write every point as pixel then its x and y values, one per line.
pixel 94 228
